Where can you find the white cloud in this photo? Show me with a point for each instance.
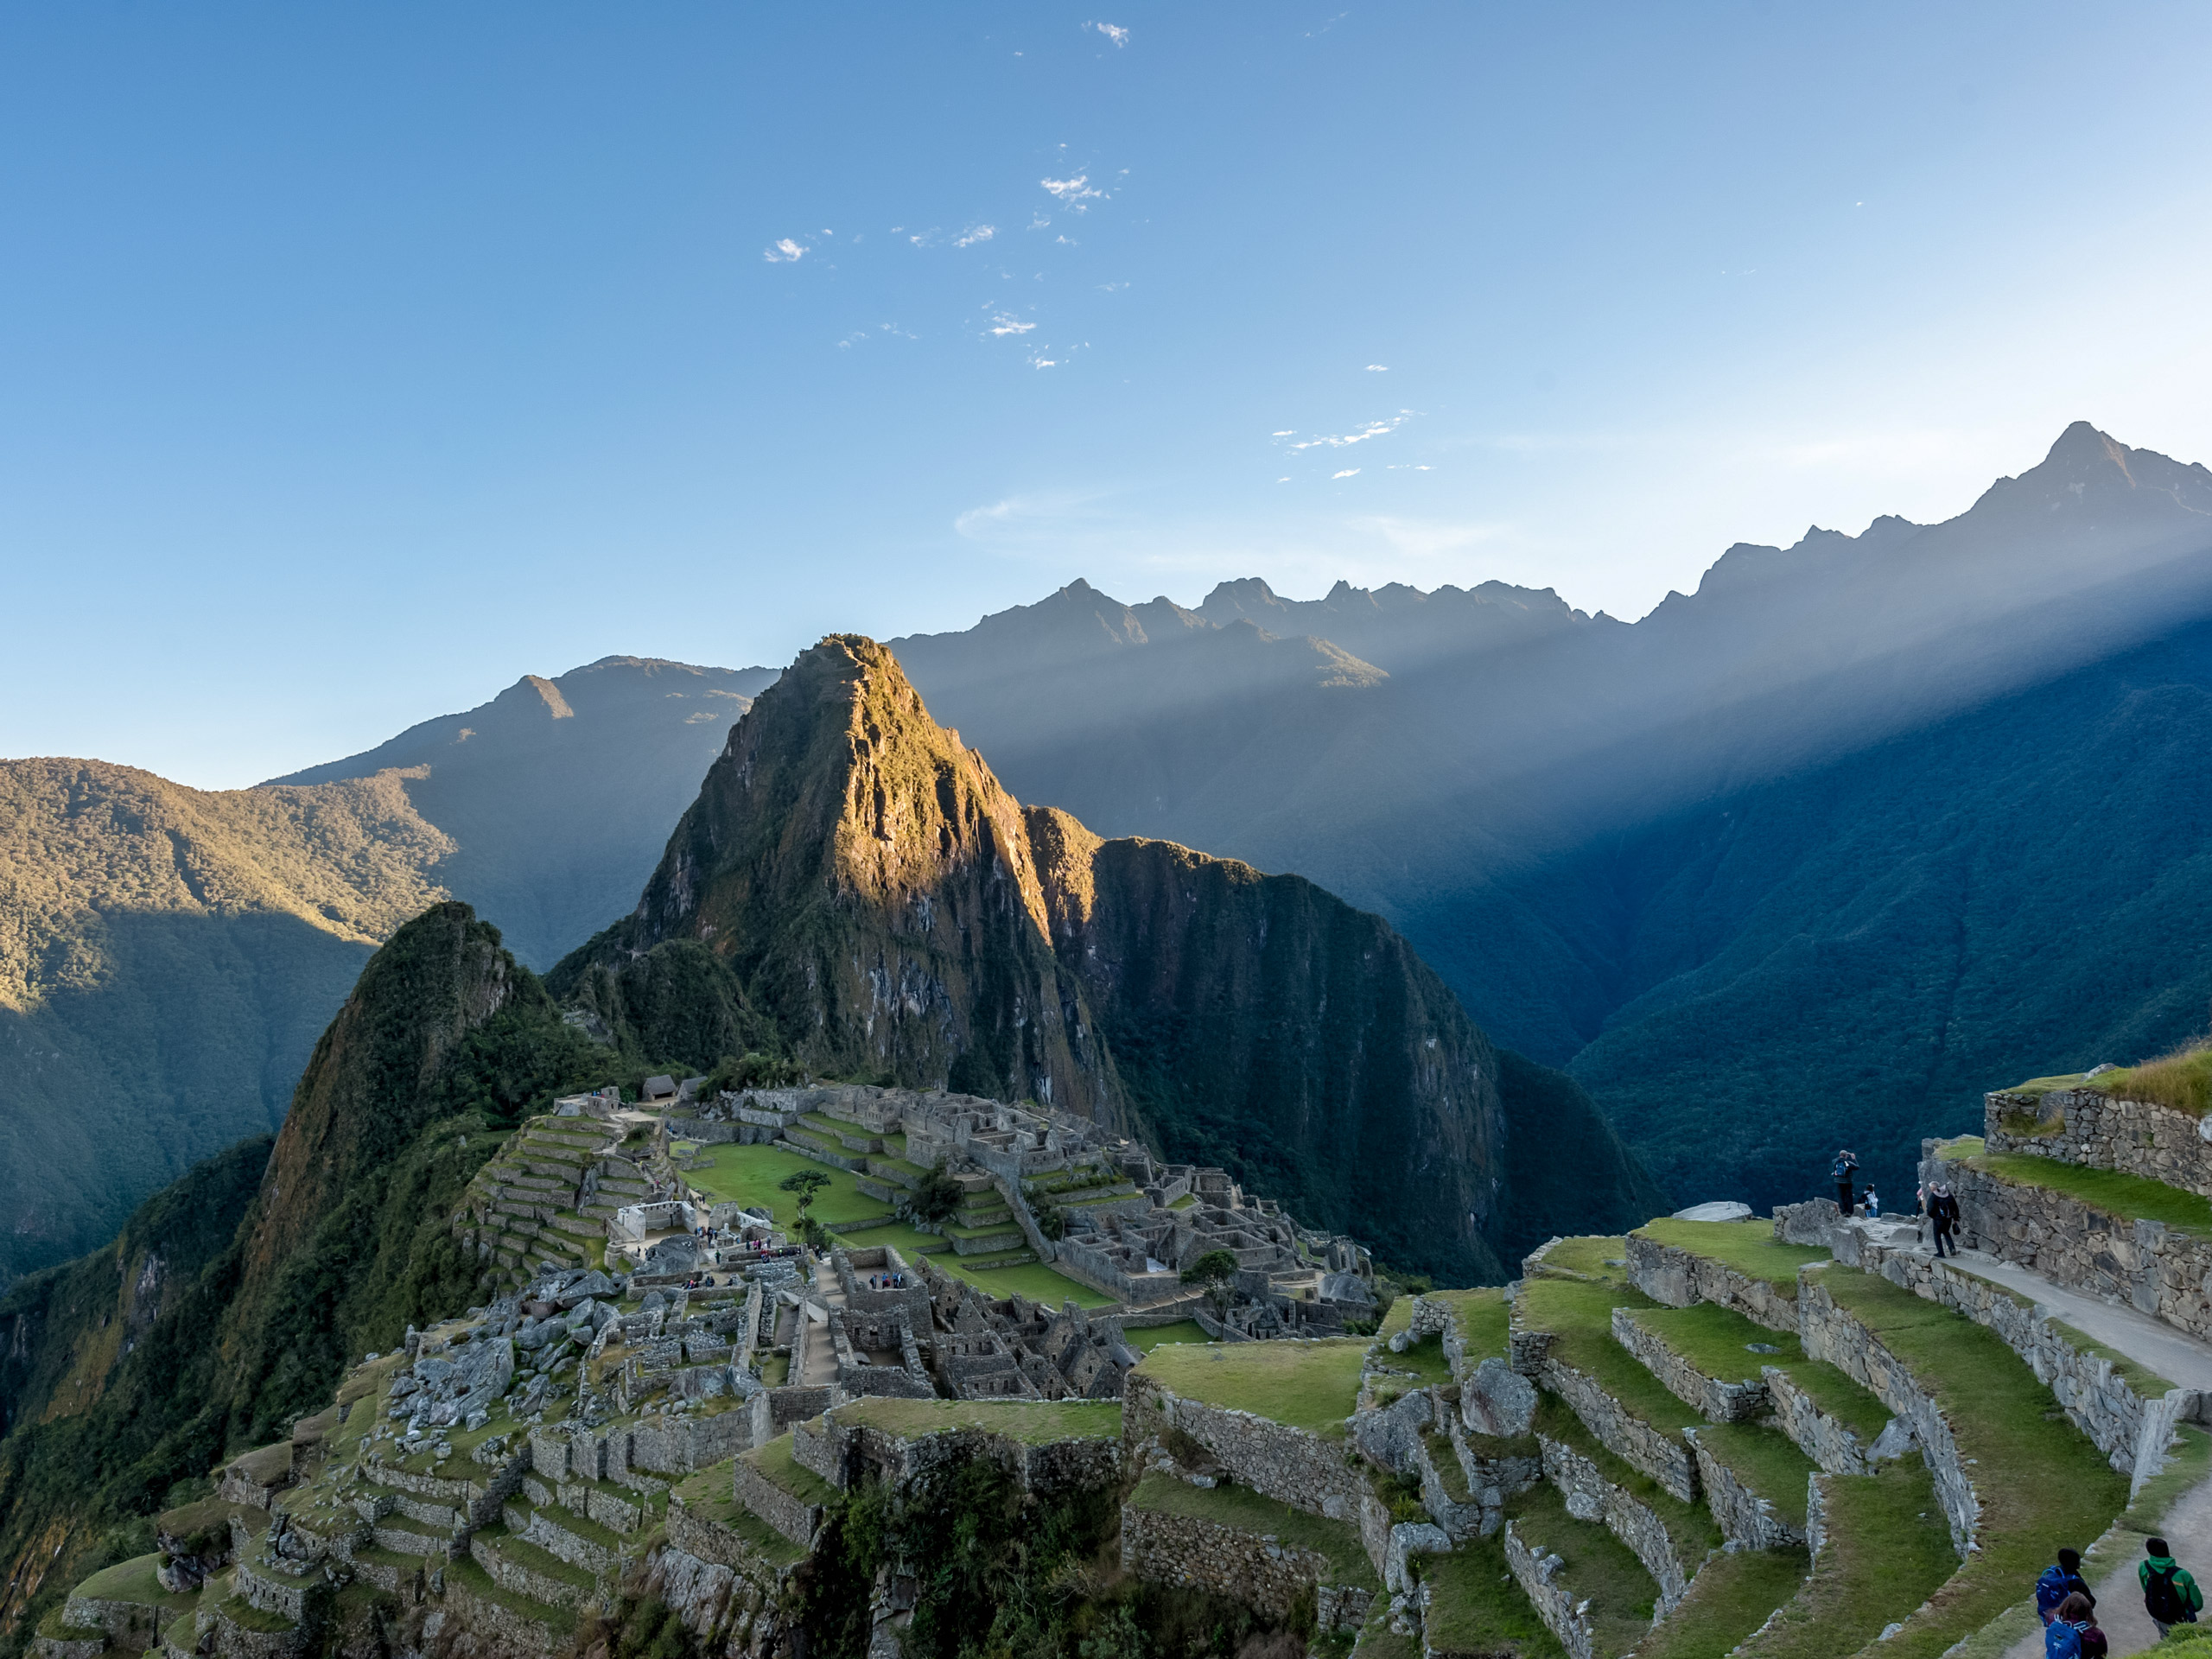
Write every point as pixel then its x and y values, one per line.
pixel 1111 288
pixel 1073 194
pixel 1347 473
pixel 785 252
pixel 1372 429
pixel 1067 241
pixel 1118 36
pixel 1003 323
pixel 974 234
pixel 1290 434
pixel 1040 221
pixel 1282 481
pixel 1378 368
pixel 1043 363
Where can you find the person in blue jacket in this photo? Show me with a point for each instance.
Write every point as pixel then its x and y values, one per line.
pixel 2060 1581
pixel 2061 1637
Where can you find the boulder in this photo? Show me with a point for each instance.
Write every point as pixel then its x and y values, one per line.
pixel 1719 1209
pixel 1391 1436
pixel 1497 1400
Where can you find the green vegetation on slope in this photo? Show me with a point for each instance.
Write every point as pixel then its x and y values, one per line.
pixel 1310 1385
pixel 1600 1567
pixel 1241 1510
pixel 1888 1551
pixel 1748 1246
pixel 2182 1080
pixel 1474 1606
pixel 1731 1596
pixel 2131 1198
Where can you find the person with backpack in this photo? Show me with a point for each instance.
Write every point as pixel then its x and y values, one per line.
pixel 1847 1167
pixel 1943 1212
pixel 2170 1595
pixel 2061 1637
pixel 2059 1582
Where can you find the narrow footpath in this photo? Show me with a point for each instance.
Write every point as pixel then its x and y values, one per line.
pixel 815 1350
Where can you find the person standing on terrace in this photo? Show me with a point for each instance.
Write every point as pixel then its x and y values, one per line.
pixel 1847 1167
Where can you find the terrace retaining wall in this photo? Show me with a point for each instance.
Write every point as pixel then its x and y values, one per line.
pixel 1590 1497
pixel 1717 1402
pixel 1678 1278
pixel 1666 1458
pixel 1536 1570
pixel 2092 1128
pixel 1746 1518
pixel 1824 1439
pixel 1260 1571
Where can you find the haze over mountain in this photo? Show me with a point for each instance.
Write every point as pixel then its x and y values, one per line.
pixel 168 954
pixel 1509 779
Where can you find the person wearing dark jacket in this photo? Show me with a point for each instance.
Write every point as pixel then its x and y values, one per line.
pixel 1847 1167
pixel 1943 1212
pixel 2170 1595
pixel 2061 1581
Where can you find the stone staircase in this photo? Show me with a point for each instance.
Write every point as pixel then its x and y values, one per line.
pixel 546 1196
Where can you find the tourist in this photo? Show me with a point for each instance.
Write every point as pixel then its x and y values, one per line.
pixel 1943 1211
pixel 2059 1582
pixel 1873 1205
pixel 2170 1595
pixel 2062 1638
pixel 1847 1167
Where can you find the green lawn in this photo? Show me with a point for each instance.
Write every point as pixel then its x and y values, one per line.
pixel 1030 1422
pixel 1474 1606
pixel 1309 1385
pixel 747 1175
pixel 707 1494
pixel 1592 1253
pixel 1749 1247
pixel 2130 1198
pixel 1888 1550
pixel 1730 1598
pixel 1598 1567
pixel 133 1580
pixel 1147 1338
pixel 1245 1510
pixel 1037 1280
pixel 1718 1341
pixel 910 1242
pixel 2038 1476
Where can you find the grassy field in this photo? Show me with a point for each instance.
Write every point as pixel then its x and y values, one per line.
pixel 134 1580
pixel 1485 1320
pixel 1034 1280
pixel 1245 1510
pixel 2038 1476
pixel 910 1242
pixel 1309 1385
pixel 1600 1567
pixel 2131 1198
pixel 1424 1359
pixel 1749 1247
pixel 1474 1607
pixel 1718 1341
pixel 1144 1340
pixel 1032 1422
pixel 747 1175
pixel 1730 1598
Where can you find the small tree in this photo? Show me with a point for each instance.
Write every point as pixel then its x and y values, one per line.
pixel 936 1198
pixel 807 1183
pixel 1212 1270
pixel 1051 1221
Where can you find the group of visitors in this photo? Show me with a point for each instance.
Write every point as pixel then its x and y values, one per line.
pixel 886 1281
pixel 2068 1609
pixel 1936 1203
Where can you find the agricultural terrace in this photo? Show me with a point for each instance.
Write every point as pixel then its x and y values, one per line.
pixel 1309 1385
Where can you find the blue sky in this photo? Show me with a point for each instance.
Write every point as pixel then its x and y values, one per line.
pixel 355 360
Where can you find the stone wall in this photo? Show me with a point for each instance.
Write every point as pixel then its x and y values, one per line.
pixel 1834 1335
pixel 1536 1570
pixel 1269 1576
pixel 1746 1518
pixel 1590 1497
pixel 2160 1273
pixel 2130 1429
pixel 1719 1401
pixel 1835 1447
pixel 1679 1279
pixel 795 1520
pixel 2092 1128
pixel 1666 1458
pixel 1289 1464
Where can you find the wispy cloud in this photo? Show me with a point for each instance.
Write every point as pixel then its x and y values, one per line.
pixel 1378 368
pixel 1344 441
pixel 1118 36
pixel 785 252
pixel 1347 472
pixel 1076 193
pixel 974 234
pixel 1005 323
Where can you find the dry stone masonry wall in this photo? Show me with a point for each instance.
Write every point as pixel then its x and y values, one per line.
pixel 1590 1497
pixel 2085 1126
pixel 1719 1401
pixel 1679 1279
pixel 1665 1457
pixel 1746 1519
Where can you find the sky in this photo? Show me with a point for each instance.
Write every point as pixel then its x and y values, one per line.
pixel 356 360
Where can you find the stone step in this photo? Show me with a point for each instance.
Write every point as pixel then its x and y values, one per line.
pixel 570 1538
pixel 583 1226
pixel 524 1569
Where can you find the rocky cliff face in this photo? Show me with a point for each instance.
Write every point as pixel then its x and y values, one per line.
pixel 856 878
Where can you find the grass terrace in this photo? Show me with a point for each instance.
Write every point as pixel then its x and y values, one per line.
pixel 1474 1606
pixel 1034 1280
pixel 1731 1597
pixel 134 1581
pixel 2182 1080
pixel 748 1175
pixel 1580 1314
pixel 910 1242
pixel 1599 1568
pixel 1243 1510
pixel 1691 1526
pixel 1031 1423
pixel 1424 1359
pixel 1888 1549
pixel 1765 1459
pixel 1147 1338
pixel 1309 1385
pixel 707 1495
pixel 775 1461
pixel 1749 1247
pixel 1720 1342
pixel 2037 1476
pixel 2130 1198
pixel 1485 1320
pixel 464 1571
